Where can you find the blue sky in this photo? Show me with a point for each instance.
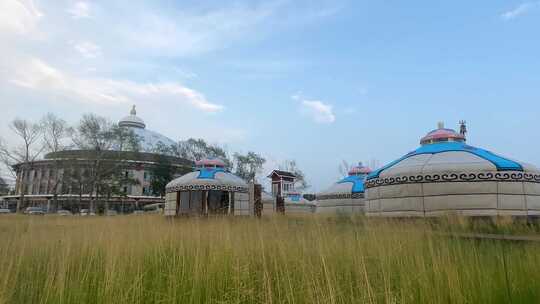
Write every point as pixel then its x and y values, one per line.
pixel 315 81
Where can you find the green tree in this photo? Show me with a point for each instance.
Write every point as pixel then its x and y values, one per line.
pixel 4 188
pixel 113 185
pixel 248 166
pixel 161 175
pixel 197 149
pixel 55 134
pixel 20 158
pixel 99 135
pixel 291 166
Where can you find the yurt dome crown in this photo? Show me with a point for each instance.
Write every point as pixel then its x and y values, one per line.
pixel 359 170
pixel 442 134
pixel 210 163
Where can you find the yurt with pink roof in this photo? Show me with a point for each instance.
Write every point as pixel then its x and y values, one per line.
pixel 447 176
pixel 209 190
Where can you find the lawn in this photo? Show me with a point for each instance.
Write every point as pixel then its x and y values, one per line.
pixel 149 259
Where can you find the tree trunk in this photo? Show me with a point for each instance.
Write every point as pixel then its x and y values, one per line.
pixel 20 202
pixel 107 202
pixel 80 199
pixel 55 201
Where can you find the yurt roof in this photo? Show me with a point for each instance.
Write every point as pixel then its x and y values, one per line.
pixel 448 159
pixel 352 184
pixel 208 179
pixel 350 187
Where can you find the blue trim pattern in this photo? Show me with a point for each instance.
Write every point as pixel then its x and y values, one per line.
pixel 206 173
pixel 356 180
pixel 501 163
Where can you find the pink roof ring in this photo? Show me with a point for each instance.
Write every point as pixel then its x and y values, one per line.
pixel 442 134
pixel 359 170
pixel 210 162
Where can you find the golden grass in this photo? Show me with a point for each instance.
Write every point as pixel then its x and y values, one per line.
pixel 148 259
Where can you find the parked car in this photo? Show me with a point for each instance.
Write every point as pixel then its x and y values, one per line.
pixel 34 211
pixel 5 211
pixel 154 208
pixel 64 212
pixel 111 212
pixel 86 212
pixel 138 212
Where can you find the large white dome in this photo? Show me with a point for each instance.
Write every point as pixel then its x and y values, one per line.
pixel 149 140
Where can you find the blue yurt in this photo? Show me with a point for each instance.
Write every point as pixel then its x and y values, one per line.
pixel 445 176
pixel 345 196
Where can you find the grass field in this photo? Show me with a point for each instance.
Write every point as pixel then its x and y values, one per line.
pixel 148 259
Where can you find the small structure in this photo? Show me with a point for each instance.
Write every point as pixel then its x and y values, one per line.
pixel 282 182
pixel 446 176
pixel 284 197
pixel 210 189
pixel 345 196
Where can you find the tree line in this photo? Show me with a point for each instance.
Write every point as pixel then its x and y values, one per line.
pixel 103 176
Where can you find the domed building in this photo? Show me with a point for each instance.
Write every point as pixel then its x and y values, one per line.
pixel 345 196
pixel 447 176
pixel 209 190
pixel 149 140
pixel 61 179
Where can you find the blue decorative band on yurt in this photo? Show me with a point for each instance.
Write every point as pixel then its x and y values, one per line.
pixel 357 181
pixel 209 173
pixel 501 163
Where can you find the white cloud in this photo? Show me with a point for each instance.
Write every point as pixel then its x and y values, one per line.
pixel 87 49
pixel 197 31
pixel 193 33
pixel 520 10
pixel 80 9
pixel 18 17
pixel 317 110
pixel 321 112
pixel 37 75
pixel 54 67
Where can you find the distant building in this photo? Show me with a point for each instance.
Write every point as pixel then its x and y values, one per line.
pixel 282 182
pixel 284 197
pixel 64 171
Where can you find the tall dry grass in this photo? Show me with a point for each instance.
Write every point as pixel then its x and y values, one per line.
pixel 148 259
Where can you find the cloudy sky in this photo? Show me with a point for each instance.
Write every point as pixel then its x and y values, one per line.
pixel 316 81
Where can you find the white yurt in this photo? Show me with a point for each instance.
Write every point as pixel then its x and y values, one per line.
pixel 447 176
pixel 293 203
pixel 296 203
pixel 345 196
pixel 210 189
